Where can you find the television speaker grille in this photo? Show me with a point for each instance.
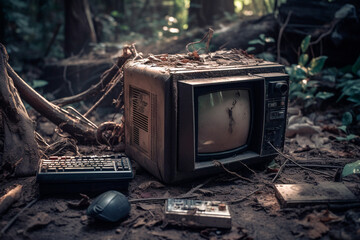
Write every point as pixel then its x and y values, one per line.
pixel 142 111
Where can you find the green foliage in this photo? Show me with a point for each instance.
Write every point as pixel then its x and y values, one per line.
pixel 262 40
pixel 29 27
pixel 347 119
pixel 316 65
pixel 356 67
pixel 39 83
pixel 303 59
pixel 305 43
pixel 273 165
pixel 324 95
pixel 347 138
pixel 349 84
pixel 300 75
pixel 351 168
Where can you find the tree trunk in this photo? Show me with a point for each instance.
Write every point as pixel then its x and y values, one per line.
pixel 205 12
pixel 2 22
pixel 19 150
pixel 79 28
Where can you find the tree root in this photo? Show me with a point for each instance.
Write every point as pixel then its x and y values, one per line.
pixel 79 129
pixel 18 147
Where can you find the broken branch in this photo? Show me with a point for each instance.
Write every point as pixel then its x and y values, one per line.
pixel 106 77
pixel 294 162
pixel 79 130
pixel 9 198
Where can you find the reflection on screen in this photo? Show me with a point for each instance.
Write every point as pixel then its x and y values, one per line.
pixel 223 120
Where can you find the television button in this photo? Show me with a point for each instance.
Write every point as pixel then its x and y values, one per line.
pixel 277 115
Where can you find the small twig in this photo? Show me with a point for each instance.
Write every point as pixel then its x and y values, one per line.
pixel 191 191
pixel 217 163
pixel 11 222
pixel 208 35
pixel 297 164
pixel 243 198
pixel 280 35
pixel 247 167
pixel 314 166
pixel 117 79
pixel 67 81
pixel 105 78
pixel 117 132
pixel 82 116
pixel 40 139
pixel 188 194
pixel 48 48
pixel 280 170
pixel 333 24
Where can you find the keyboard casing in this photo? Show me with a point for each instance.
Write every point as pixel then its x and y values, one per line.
pixel 69 174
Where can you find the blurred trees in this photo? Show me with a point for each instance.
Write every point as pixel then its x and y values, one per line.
pixel 53 28
pixel 79 27
pixel 204 12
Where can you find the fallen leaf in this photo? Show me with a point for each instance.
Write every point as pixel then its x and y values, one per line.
pixel 301 129
pixel 40 220
pixel 72 214
pixel 139 222
pixel 164 235
pixel 315 223
pixel 83 219
pixel 60 206
pixel 153 222
pixel 236 233
pixel 83 203
pixel 328 216
pixel 304 142
pixel 150 184
pixel 205 192
pixel 146 207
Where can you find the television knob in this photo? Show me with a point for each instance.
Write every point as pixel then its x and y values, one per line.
pixel 281 87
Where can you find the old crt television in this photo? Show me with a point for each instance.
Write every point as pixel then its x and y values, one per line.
pixel 178 120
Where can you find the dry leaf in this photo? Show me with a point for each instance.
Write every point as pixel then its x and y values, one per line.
pixel 82 204
pixel 164 235
pixel 41 219
pixel 139 222
pixel 146 207
pixel 302 129
pixel 61 206
pixel 315 223
pixel 150 184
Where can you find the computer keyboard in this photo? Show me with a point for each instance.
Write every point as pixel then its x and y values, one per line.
pixel 84 173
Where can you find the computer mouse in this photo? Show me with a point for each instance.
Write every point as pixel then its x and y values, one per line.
pixel 110 206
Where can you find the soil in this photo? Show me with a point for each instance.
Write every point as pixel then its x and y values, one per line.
pixel 258 216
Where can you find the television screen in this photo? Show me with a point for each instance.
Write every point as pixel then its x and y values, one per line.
pixel 223 121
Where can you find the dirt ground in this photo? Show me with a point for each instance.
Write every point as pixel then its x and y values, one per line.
pixel 255 216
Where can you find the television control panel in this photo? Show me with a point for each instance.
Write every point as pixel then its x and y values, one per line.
pixel 277 87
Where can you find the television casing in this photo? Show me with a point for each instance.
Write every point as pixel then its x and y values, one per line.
pixel 160 131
